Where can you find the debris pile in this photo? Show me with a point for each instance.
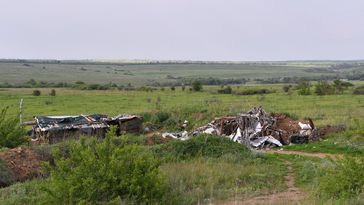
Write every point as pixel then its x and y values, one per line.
pixel 256 129
pixel 53 129
pixel 126 123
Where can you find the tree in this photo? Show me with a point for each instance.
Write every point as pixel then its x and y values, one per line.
pixel 340 86
pixel 324 88
pixel 196 85
pixel 226 90
pixel 286 88
pixel 36 93
pixel 53 92
pixel 11 133
pixel 32 82
pixel 304 87
pixel 96 172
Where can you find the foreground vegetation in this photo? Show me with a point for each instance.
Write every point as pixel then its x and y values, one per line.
pixel 173 173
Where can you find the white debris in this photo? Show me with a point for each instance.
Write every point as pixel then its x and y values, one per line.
pixel 258 128
pixel 178 135
pixel 261 140
pixel 209 130
pixel 304 126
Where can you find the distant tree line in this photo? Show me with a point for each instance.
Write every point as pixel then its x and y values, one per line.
pixel 320 88
pixel 180 81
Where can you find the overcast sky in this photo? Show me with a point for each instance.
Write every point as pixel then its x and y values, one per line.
pixel 182 29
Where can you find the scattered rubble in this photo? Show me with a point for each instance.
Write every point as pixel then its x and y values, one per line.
pixel 256 129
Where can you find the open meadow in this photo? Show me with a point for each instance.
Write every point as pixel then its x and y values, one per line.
pixel 154 73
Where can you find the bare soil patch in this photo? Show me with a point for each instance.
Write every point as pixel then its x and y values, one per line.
pixel 292 195
pixel 306 154
pixel 23 163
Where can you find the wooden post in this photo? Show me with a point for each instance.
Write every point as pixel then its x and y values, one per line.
pixel 21 111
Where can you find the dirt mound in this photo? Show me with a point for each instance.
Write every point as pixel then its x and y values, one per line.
pixel 329 129
pixel 23 163
pixel 287 126
pixel 156 138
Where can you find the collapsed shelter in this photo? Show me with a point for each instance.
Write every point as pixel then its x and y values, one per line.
pixel 53 129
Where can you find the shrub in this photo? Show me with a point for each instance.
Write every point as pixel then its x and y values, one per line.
pixel 36 93
pixel 286 88
pixel 173 88
pixel 160 117
pixel 102 173
pixel 6 177
pixel 53 92
pixel 227 90
pixel 11 133
pixel 196 85
pixel 304 88
pixel 359 90
pixel 340 86
pixel 324 88
pixel 28 192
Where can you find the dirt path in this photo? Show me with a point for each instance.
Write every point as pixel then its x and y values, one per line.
pixel 305 154
pixel 292 195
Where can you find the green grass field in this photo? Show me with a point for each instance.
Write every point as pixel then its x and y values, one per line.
pixel 330 109
pixel 144 74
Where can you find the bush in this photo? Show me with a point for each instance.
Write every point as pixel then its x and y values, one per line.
pixel 36 93
pixel 196 85
pixel 324 88
pixel 11 133
pixel 28 192
pixel 102 173
pixel 359 90
pixel 286 88
pixel 53 92
pixel 340 86
pixel 304 88
pixel 160 117
pixel 6 177
pixel 227 90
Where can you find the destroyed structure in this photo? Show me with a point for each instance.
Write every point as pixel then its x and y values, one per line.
pixel 256 129
pixel 53 129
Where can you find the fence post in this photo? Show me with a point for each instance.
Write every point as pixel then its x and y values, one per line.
pixel 21 111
